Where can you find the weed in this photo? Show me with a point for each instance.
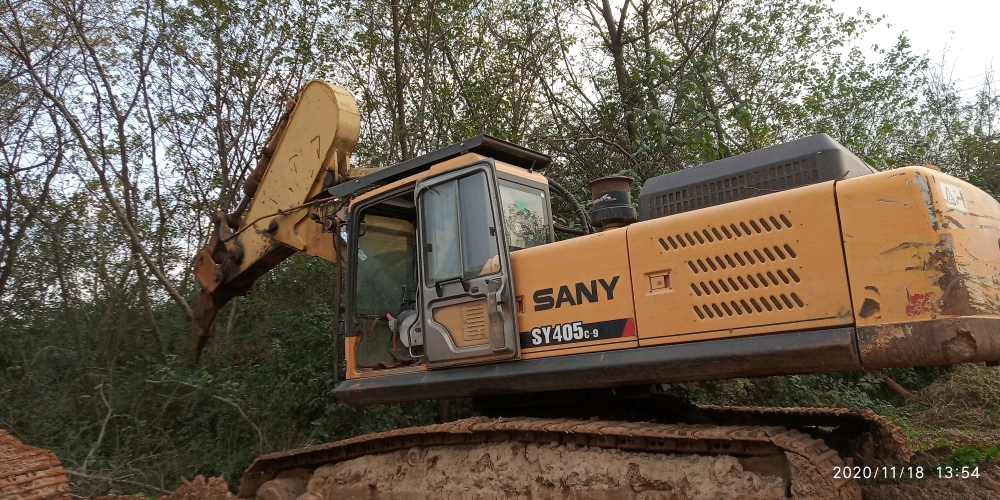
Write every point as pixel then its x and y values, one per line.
pixel 972 456
pixel 967 398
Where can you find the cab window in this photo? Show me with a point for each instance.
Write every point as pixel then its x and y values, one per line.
pixel 459 231
pixel 386 266
pixel 523 210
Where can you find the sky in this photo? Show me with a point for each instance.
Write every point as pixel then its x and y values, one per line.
pixel 968 28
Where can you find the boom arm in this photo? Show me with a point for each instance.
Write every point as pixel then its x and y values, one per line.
pixel 287 208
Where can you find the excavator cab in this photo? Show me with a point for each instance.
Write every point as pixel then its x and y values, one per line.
pixel 430 280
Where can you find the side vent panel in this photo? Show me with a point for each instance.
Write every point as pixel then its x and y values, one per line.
pixel 803 162
pixel 763 265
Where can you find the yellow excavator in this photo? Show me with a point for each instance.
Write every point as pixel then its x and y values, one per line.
pixel 794 259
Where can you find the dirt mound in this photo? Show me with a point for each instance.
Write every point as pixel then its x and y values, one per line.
pixel 532 471
pixel 29 473
pixel 214 488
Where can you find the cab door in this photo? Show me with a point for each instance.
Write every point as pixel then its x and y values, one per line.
pixel 466 292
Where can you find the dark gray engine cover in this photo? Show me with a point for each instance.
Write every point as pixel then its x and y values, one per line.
pixel 801 162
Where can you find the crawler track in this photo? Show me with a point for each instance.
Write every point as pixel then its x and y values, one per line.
pixel 811 462
pixel 29 473
pixel 864 435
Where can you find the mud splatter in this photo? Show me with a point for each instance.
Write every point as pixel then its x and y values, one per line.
pixel 869 308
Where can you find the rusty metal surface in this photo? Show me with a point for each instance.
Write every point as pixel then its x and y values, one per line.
pixel 29 473
pixel 208 304
pixel 874 439
pixel 632 436
pixel 941 341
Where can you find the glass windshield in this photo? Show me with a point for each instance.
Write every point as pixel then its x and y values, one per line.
pixel 459 229
pixel 523 210
pixel 385 264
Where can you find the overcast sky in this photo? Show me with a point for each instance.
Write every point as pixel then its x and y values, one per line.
pixel 969 28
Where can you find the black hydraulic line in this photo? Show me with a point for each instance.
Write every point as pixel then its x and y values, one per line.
pixel 233 219
pixel 585 227
pixel 568 230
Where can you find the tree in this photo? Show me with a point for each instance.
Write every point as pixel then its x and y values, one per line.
pixel 870 108
pixel 99 107
pixel 431 73
pixel 686 82
pixel 961 135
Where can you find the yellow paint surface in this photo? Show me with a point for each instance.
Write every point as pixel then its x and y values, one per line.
pixel 764 265
pixel 322 131
pixel 916 251
pixel 585 260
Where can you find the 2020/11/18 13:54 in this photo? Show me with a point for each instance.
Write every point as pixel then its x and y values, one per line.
pixel 888 472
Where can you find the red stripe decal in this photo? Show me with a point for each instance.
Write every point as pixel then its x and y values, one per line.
pixel 629 328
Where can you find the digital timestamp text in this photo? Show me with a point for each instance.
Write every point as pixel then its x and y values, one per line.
pixel 918 472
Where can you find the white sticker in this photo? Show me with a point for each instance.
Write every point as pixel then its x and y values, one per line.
pixel 954 198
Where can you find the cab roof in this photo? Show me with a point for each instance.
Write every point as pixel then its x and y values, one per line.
pixel 482 144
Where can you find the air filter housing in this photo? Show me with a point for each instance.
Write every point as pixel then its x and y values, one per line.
pixel 612 198
pixel 801 162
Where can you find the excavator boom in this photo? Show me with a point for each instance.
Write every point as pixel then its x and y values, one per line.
pixel 285 207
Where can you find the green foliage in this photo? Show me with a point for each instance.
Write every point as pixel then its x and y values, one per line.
pixel 972 456
pixel 848 389
pixel 870 108
pixel 265 386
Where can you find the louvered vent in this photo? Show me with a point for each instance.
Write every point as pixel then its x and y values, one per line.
pixel 760 266
pixel 474 321
pixel 717 192
pixel 794 164
pixel 732 231
pixel 759 279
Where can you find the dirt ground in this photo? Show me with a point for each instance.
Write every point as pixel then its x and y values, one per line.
pixel 199 488
pixel 645 476
pixel 519 471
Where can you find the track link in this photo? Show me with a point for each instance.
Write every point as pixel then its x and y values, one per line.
pixel 865 435
pixel 811 461
pixel 29 473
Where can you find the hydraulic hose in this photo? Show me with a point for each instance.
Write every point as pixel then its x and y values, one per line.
pixel 568 230
pixel 585 227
